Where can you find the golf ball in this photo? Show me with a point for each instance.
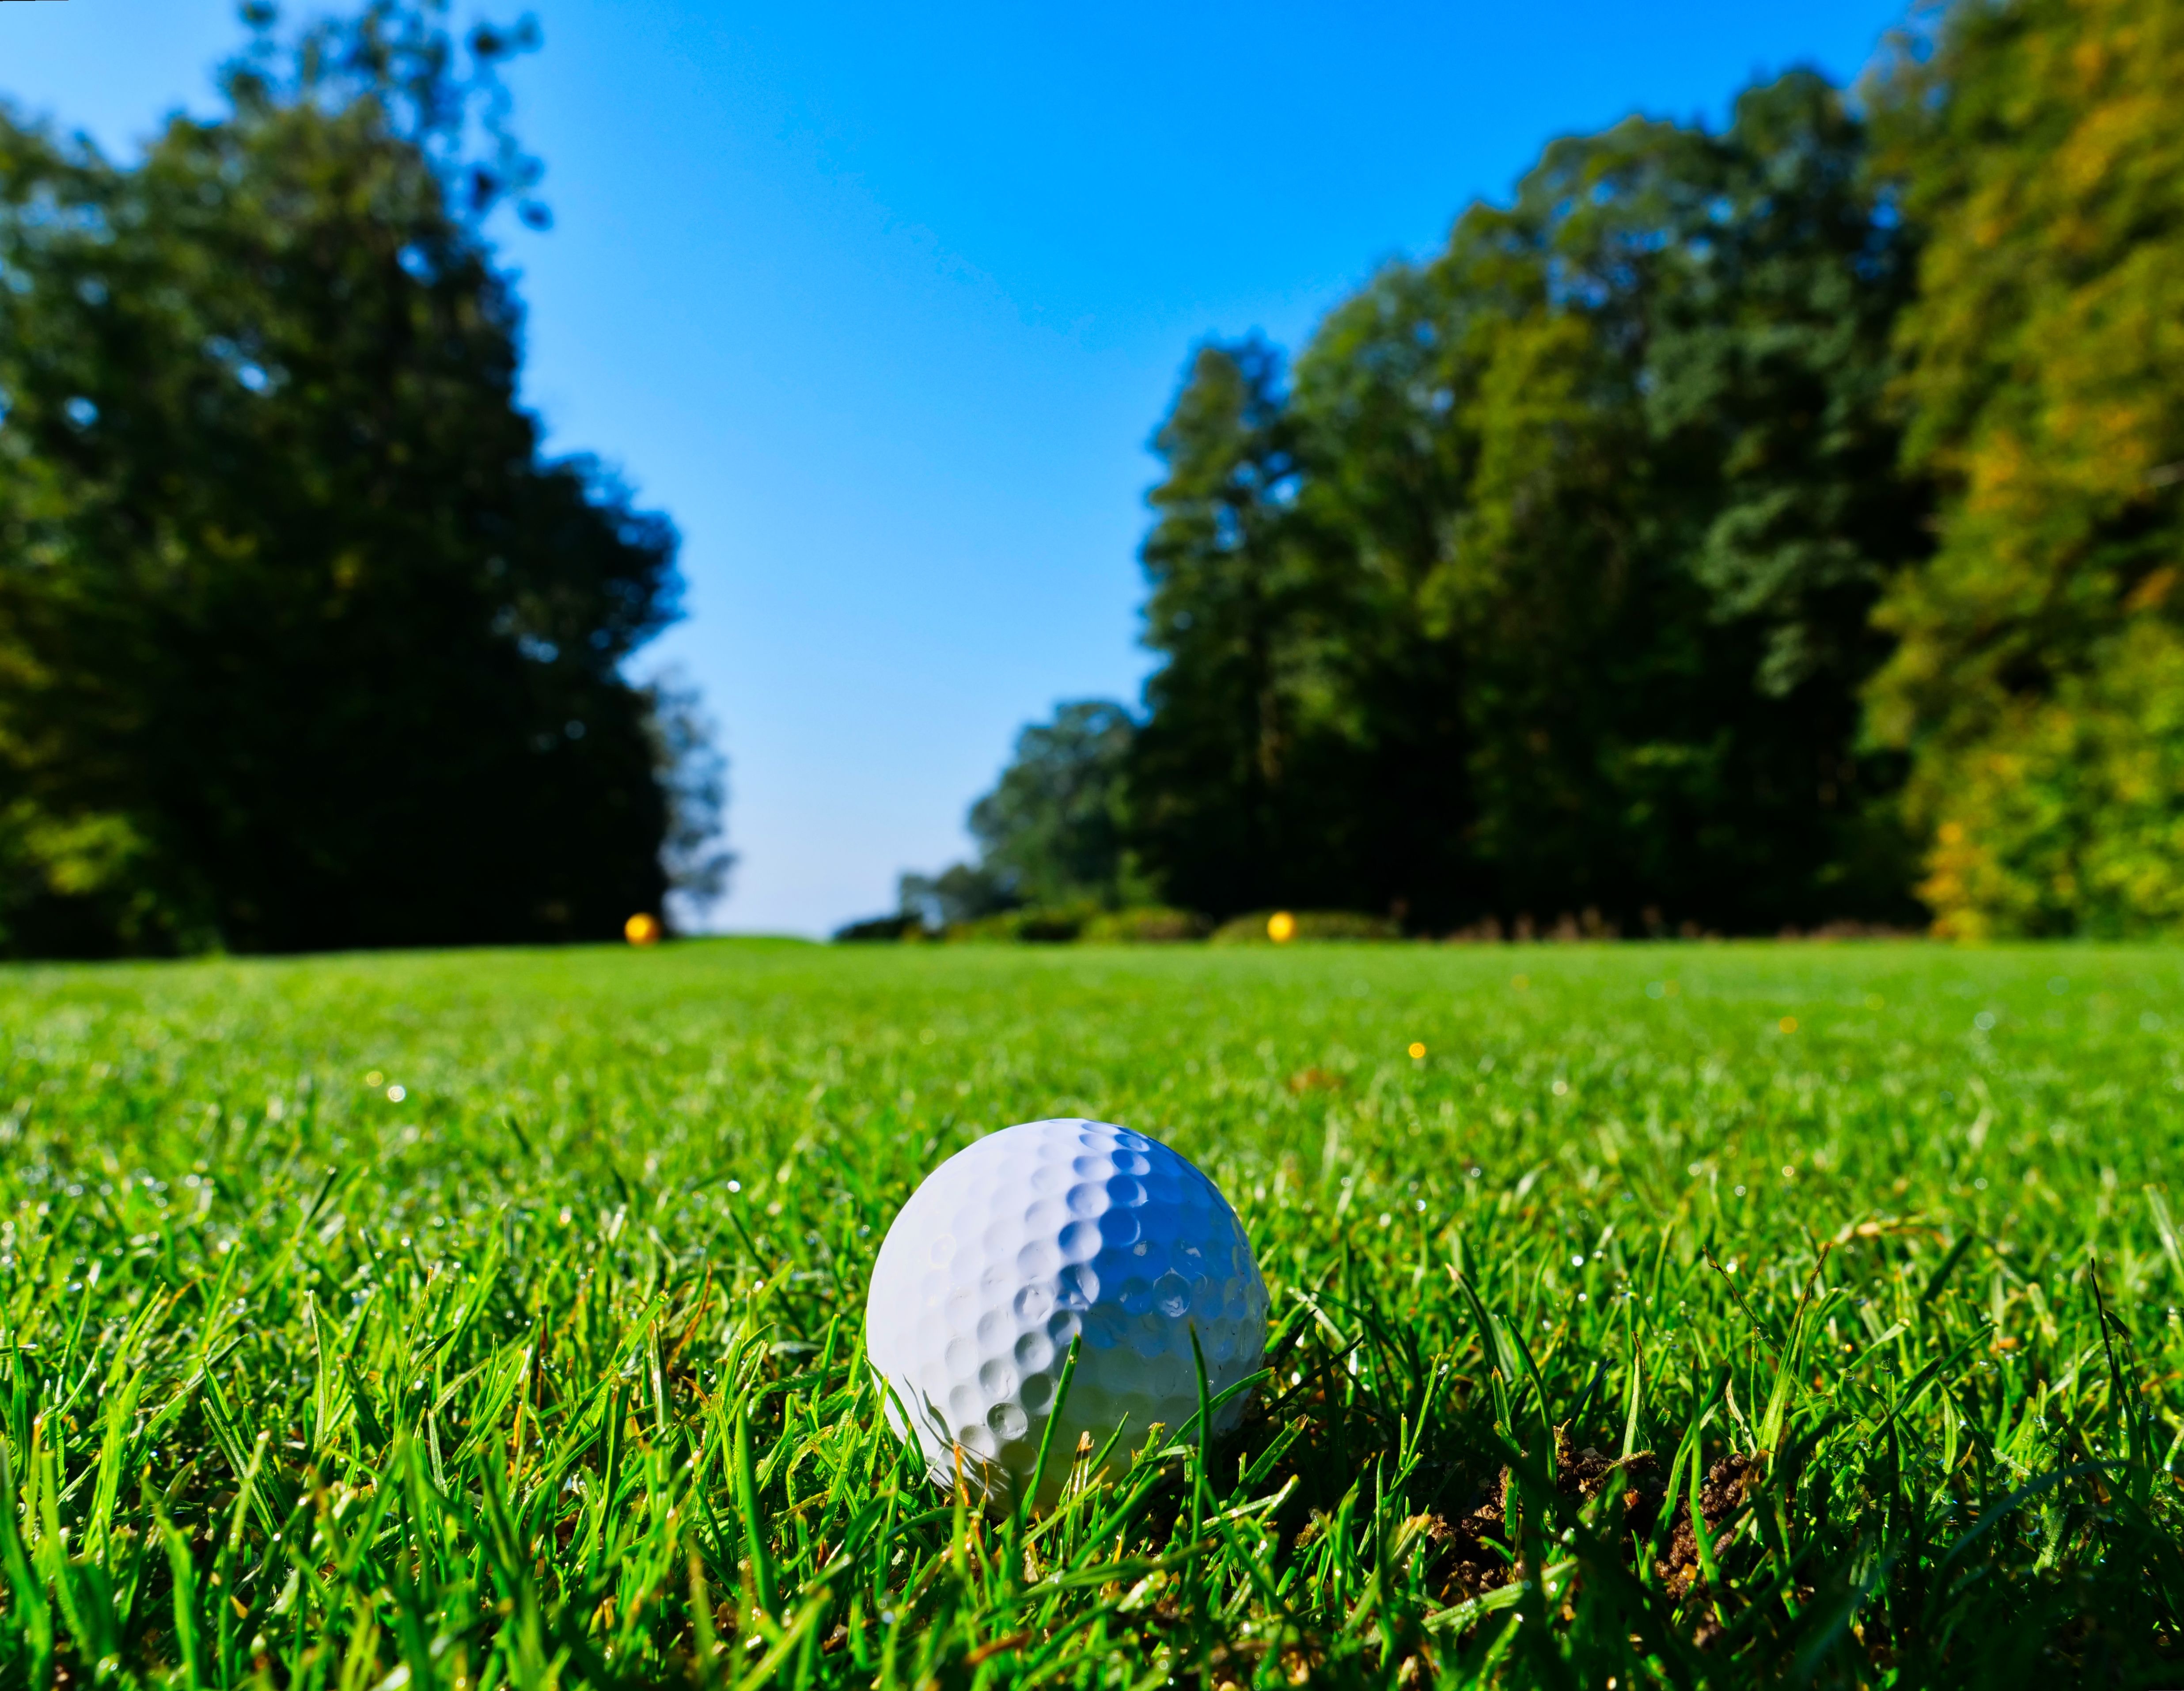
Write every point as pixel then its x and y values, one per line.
pixel 1036 1235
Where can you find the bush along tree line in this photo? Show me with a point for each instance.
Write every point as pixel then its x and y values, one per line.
pixel 1771 528
pixel 303 642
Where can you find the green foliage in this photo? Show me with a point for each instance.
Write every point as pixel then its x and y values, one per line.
pixel 1216 786
pixel 1037 924
pixel 1145 924
pixel 1053 824
pixel 1051 856
pixel 879 930
pixel 1252 929
pixel 1547 582
pixel 495 1320
pixel 960 894
pixel 2037 678
pixel 302 642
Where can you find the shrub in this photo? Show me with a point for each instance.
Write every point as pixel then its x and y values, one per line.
pixel 1309 924
pixel 1148 925
pixel 876 930
pixel 1047 925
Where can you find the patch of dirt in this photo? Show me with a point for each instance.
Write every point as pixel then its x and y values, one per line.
pixel 1719 1497
pixel 1478 1545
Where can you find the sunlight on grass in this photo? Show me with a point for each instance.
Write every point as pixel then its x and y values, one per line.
pixel 1730 1315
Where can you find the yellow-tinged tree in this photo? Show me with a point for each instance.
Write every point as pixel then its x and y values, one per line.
pixel 2039 679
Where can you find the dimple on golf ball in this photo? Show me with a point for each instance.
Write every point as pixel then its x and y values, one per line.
pixel 1031 1237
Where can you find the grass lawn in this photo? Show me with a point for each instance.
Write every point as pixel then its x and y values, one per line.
pixel 494 1319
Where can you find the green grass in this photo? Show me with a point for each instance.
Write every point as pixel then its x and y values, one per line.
pixel 494 1319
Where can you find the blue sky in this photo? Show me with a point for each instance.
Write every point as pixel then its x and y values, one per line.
pixel 882 304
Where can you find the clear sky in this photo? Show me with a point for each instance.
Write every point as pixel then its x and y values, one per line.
pixel 881 305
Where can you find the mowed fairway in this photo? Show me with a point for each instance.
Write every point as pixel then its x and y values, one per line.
pixel 495 1318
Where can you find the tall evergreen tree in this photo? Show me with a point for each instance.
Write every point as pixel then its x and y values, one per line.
pixel 1215 761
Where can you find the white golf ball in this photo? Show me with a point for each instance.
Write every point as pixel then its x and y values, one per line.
pixel 1028 1239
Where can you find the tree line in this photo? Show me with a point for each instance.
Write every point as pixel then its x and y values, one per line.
pixel 304 642
pixel 1774 526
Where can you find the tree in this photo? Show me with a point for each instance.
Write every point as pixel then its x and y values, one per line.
pixel 694 778
pixel 1050 834
pixel 2039 681
pixel 1052 828
pixel 961 892
pixel 303 642
pixel 1546 583
pixel 1208 769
